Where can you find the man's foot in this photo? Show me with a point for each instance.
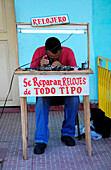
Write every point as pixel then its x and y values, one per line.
pixel 39 148
pixel 69 141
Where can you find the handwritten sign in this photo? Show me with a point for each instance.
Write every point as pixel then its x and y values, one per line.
pixel 52 20
pixel 53 85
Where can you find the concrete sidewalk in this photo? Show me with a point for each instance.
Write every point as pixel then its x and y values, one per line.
pixel 57 156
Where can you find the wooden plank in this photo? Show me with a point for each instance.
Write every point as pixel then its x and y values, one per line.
pixel 23 121
pixel 67 24
pixel 68 27
pixel 88 46
pixel 24 110
pixel 17 57
pixel 87 116
pixel 25 107
pixel 21 72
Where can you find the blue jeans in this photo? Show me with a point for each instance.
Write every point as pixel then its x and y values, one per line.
pixel 42 108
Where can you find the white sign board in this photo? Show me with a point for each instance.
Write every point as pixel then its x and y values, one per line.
pixel 53 85
pixel 49 20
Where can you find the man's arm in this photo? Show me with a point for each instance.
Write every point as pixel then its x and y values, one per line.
pixel 71 59
pixel 38 54
pixel 44 61
pixel 35 59
pixel 57 63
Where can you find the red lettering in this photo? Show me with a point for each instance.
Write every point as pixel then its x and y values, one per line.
pixel 61 88
pixel 43 21
pixel 29 83
pixel 47 20
pixel 44 82
pixel 77 81
pixel 55 19
pixel 42 90
pixel 40 82
pixel 51 20
pixel 64 79
pixel 60 19
pixel 84 80
pixel 35 82
pixel 67 92
pixel 27 92
pixel 73 81
pixel 25 82
pixel 36 90
pixel 53 90
pixel 34 22
pixel 68 81
pixel 64 18
pixel 80 81
pixel 79 90
pixel 55 82
pixel 59 82
pixel 72 90
pixel 39 21
pixel 47 90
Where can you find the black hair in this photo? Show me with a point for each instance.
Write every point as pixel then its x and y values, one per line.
pixel 53 44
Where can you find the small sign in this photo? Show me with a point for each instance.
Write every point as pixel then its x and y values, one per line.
pixel 52 20
pixel 53 85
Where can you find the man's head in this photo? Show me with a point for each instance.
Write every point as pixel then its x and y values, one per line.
pixel 53 48
pixel 53 45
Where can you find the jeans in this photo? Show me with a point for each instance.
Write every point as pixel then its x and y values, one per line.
pixel 42 108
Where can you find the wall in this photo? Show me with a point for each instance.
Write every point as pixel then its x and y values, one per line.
pixel 101 31
pixel 78 11
pixel 101 26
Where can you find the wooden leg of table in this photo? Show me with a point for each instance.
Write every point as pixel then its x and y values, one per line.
pixel 87 123
pixel 25 104
pixel 85 118
pixel 24 128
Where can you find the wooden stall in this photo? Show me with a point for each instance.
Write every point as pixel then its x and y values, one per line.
pixel 27 90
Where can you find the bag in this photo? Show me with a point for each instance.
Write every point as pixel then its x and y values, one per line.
pixel 101 123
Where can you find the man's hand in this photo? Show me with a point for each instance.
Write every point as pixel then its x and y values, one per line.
pixel 44 61
pixel 56 63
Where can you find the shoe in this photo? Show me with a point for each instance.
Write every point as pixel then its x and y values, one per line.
pixel 69 141
pixel 39 148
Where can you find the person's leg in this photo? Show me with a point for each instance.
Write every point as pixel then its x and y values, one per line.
pixel 70 112
pixel 42 113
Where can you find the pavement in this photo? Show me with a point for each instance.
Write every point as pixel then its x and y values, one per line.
pixel 57 156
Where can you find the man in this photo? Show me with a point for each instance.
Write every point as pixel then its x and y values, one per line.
pixel 55 55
